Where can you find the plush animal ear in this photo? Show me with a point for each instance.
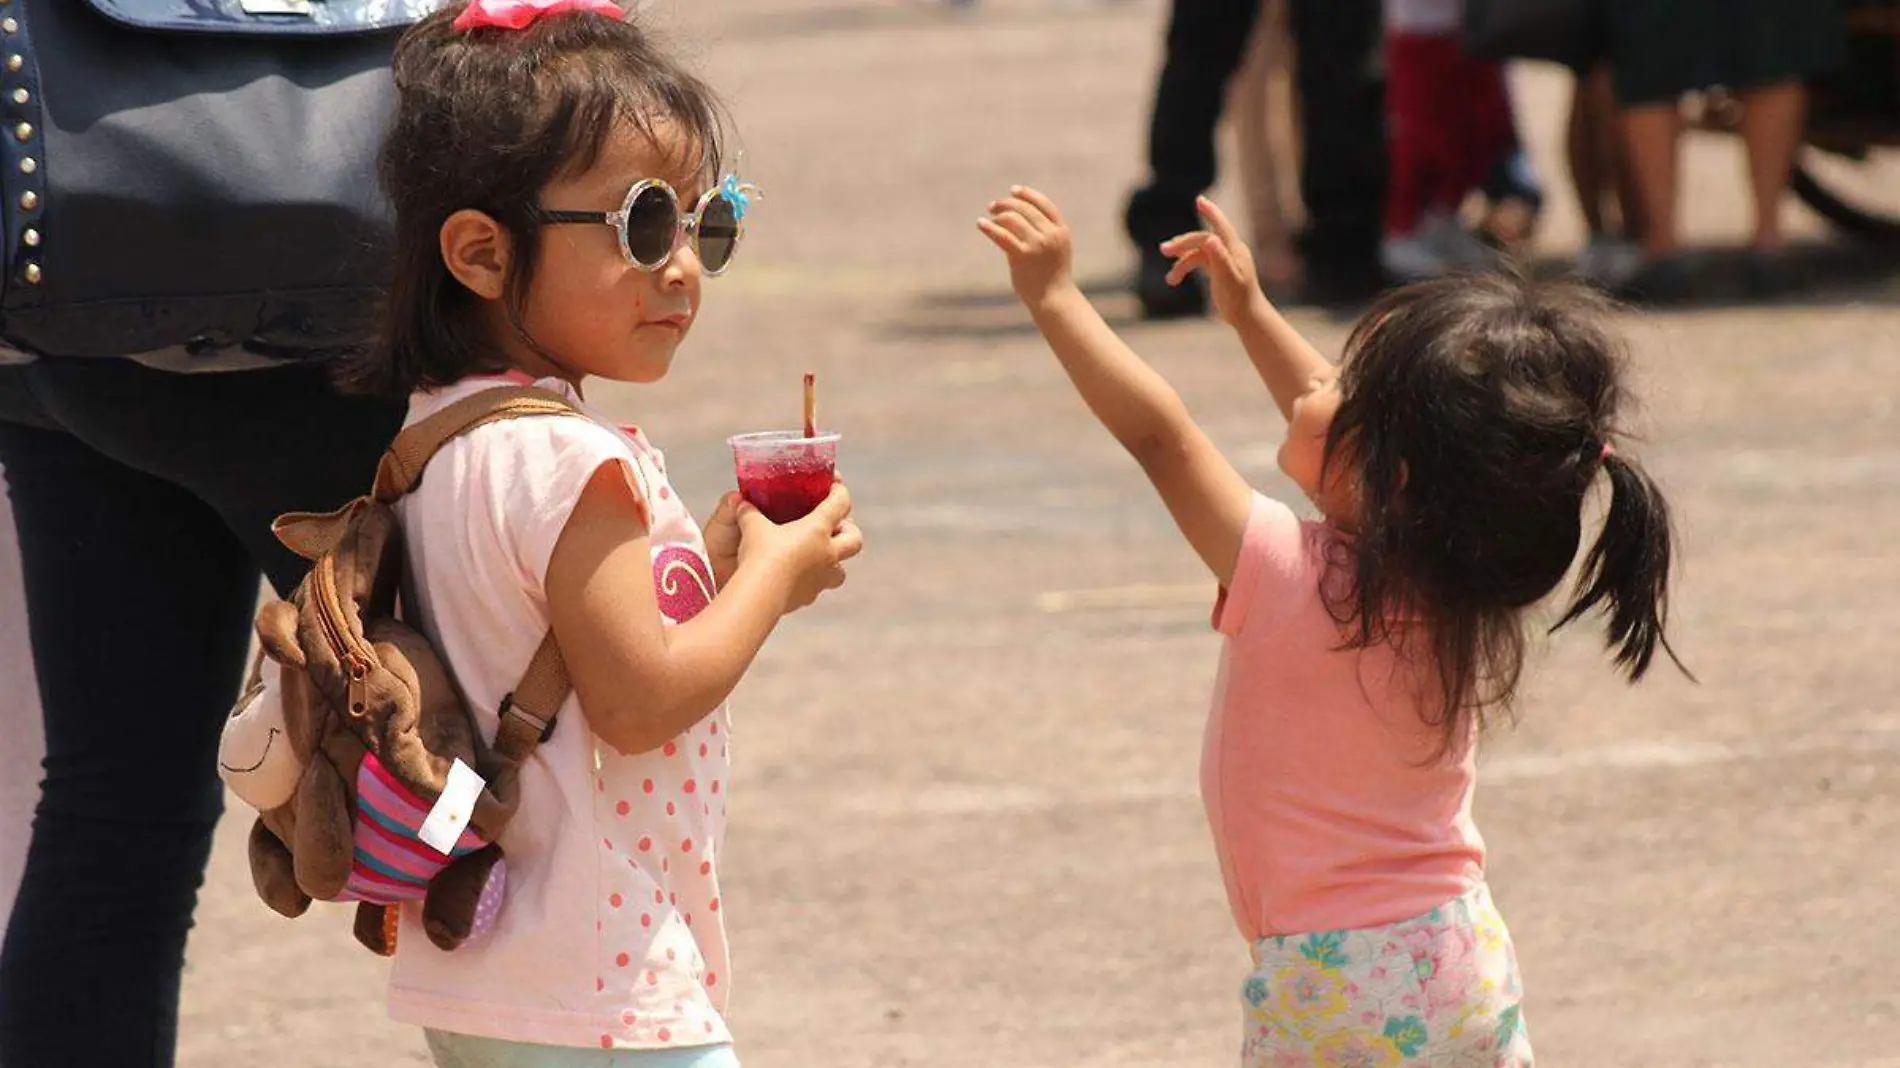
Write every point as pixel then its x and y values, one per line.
pixel 277 632
pixel 311 534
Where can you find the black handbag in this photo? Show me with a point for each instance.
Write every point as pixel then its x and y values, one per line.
pixel 1572 32
pixel 194 176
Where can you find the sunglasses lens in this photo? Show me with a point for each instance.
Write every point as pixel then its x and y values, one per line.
pixel 652 224
pixel 718 233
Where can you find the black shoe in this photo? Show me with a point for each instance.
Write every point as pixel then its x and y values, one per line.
pixel 1159 300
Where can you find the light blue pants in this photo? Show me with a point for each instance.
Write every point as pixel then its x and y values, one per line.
pixel 469 1051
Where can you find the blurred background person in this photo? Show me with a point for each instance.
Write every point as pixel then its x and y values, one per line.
pixel 1342 144
pixel 1765 52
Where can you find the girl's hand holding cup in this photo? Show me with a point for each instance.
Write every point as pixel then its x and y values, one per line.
pixel 812 550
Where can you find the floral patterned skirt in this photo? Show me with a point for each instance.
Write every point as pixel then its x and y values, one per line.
pixel 1438 991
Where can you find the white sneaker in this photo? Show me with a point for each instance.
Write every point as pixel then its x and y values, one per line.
pixel 1438 247
pixel 1412 258
pixel 1609 262
pixel 1464 250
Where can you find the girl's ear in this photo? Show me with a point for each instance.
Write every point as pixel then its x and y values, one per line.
pixel 476 250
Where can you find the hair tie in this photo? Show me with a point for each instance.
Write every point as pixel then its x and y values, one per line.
pixel 520 14
pixel 1609 450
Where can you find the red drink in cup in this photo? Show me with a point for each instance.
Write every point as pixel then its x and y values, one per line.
pixel 783 473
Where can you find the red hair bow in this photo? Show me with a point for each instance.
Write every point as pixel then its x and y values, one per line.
pixel 520 14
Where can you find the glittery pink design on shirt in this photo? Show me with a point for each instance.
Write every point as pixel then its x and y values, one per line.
pixel 683 582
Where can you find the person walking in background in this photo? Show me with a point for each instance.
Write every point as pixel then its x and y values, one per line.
pixel 1343 159
pixel 1764 51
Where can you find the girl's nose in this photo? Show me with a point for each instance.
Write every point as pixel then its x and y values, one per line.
pixel 682 268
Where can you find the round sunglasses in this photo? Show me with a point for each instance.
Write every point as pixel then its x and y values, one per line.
pixel 651 225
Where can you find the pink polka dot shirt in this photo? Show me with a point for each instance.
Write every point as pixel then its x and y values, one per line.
pixel 611 932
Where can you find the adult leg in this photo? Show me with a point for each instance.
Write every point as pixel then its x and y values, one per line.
pixel 1772 126
pixel 1583 151
pixel 1614 170
pixel 1206 39
pixel 138 599
pixel 1343 159
pixel 1606 190
pixel 142 577
pixel 1652 135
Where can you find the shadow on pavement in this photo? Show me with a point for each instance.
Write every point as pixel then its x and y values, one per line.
pixel 1832 273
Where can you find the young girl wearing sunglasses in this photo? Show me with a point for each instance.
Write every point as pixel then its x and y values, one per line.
pixel 539 161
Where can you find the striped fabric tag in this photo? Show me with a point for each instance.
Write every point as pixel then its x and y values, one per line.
pixel 392 864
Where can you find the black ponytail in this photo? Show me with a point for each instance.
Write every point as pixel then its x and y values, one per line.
pixel 1473 417
pixel 1627 571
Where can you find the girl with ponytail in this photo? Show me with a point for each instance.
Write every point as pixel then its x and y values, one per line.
pixel 1450 455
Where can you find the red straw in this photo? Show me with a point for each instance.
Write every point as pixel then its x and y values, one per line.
pixel 811 405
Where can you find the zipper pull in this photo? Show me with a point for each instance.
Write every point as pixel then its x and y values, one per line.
pixel 359 686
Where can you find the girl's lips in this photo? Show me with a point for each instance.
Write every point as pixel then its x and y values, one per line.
pixel 676 322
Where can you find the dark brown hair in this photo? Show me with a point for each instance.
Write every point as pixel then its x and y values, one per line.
pixel 1474 416
pixel 485 120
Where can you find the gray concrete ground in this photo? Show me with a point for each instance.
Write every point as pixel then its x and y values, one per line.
pixel 966 831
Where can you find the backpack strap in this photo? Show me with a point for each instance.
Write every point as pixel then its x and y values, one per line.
pixel 401 468
pixel 528 713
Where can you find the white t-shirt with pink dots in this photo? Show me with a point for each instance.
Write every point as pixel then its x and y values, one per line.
pixel 610 934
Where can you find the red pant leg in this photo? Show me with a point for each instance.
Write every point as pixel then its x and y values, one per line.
pixel 1489 129
pixel 1423 90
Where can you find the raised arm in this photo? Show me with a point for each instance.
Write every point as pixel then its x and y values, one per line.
pixel 1289 365
pixel 1208 499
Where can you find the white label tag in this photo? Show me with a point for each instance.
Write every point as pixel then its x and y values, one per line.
pixel 276 7
pixel 452 810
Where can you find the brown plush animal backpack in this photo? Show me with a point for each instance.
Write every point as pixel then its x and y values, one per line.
pixel 352 741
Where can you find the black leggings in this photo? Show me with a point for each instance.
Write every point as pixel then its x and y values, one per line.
pixel 144 501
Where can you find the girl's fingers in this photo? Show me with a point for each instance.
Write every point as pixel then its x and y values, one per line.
pixel 1185 266
pixel 1017 225
pixel 1042 202
pixel 1217 221
pixel 1002 238
pixel 1024 208
pixel 1223 257
pixel 847 542
pixel 1175 246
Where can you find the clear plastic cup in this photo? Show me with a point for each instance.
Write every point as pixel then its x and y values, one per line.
pixel 783 473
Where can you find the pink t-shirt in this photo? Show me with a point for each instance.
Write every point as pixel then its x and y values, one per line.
pixel 1327 809
pixel 610 934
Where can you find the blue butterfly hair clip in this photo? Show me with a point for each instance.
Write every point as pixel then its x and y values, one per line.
pixel 740 193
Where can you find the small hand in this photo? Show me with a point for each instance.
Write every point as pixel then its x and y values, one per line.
pixel 813 549
pixel 722 539
pixel 1220 254
pixel 1029 229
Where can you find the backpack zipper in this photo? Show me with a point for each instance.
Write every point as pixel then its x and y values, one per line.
pixel 355 657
